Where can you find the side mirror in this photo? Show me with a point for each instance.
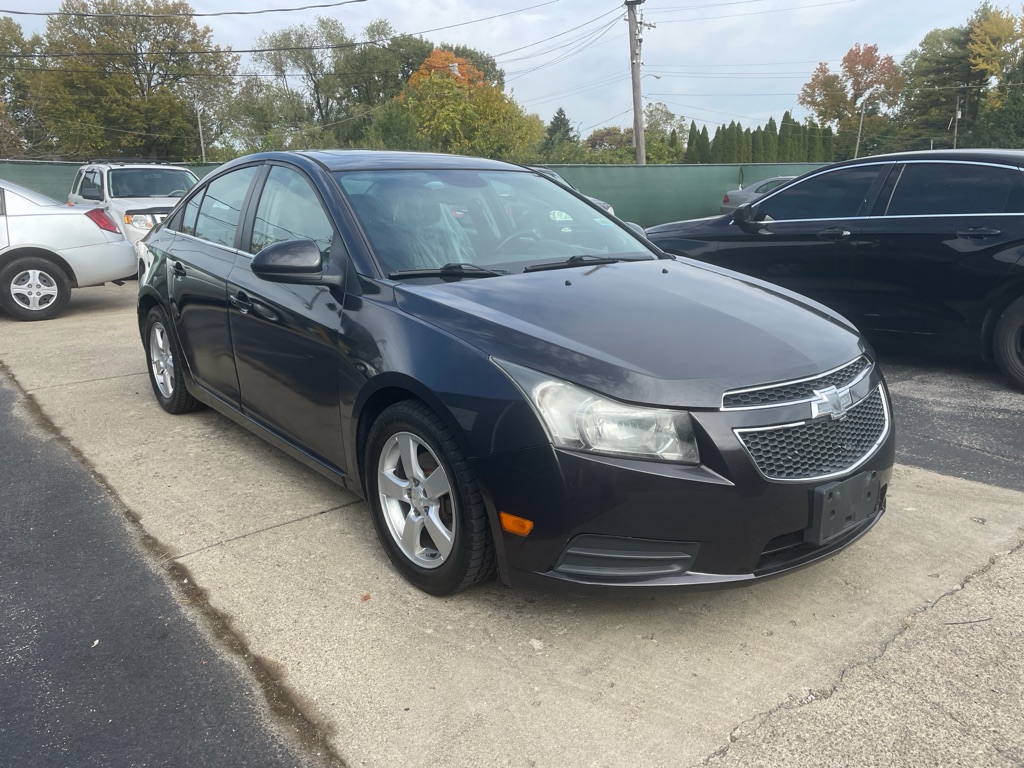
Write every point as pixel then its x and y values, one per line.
pixel 637 228
pixel 91 194
pixel 743 216
pixel 298 262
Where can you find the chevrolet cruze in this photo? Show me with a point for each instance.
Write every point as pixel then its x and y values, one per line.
pixel 515 381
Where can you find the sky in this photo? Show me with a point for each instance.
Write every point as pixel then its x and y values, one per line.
pixel 712 62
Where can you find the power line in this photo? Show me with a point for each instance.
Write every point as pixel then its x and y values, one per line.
pixel 340 46
pixel 83 14
pixel 755 13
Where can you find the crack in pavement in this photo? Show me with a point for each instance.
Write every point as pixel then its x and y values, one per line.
pixel 752 725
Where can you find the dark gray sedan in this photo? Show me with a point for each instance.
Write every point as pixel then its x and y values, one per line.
pixel 515 381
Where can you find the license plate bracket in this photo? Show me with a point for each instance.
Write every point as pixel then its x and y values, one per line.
pixel 838 507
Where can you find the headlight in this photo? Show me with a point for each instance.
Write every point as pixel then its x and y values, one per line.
pixel 139 220
pixel 582 420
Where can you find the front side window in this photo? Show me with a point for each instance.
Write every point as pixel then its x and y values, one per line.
pixel 93 182
pixel 835 194
pixel 289 209
pixel 949 189
pixel 221 207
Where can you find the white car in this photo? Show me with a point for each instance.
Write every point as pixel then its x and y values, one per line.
pixel 136 195
pixel 47 248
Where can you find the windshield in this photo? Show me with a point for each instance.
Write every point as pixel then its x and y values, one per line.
pixel 150 182
pixel 499 220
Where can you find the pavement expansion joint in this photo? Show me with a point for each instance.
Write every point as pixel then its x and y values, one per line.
pixel 79 382
pixel 258 531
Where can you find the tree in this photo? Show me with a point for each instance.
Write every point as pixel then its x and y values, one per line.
pixel 18 119
pixel 129 88
pixel 560 138
pixel 457 110
pixel 939 76
pixel 866 81
pixel 314 52
pixel 994 43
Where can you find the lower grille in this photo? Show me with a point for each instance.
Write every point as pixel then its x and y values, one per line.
pixel 618 559
pixel 822 448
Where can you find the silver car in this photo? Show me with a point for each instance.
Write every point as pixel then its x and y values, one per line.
pixel 47 248
pixel 734 198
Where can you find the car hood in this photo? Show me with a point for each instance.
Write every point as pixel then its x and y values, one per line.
pixel 658 332
pixel 690 225
pixel 144 203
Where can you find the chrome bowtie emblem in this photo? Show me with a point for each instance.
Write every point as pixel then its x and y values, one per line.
pixel 831 402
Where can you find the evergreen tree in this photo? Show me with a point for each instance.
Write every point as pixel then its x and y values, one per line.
pixel 757 146
pixel 703 146
pixel 771 142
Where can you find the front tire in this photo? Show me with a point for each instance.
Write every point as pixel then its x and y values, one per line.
pixel 165 365
pixel 1008 343
pixel 33 288
pixel 426 505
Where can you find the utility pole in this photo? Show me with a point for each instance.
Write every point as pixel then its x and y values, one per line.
pixel 956 121
pixel 635 41
pixel 860 130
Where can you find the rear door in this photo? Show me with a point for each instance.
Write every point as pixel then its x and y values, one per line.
pixel 803 237
pixel 201 257
pixel 944 238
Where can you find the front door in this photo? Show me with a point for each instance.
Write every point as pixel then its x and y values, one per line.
pixel 286 336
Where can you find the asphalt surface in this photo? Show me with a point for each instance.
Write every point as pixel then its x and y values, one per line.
pixel 242 605
pixel 99 663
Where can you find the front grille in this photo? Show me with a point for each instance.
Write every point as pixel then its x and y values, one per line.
pixel 796 391
pixel 820 448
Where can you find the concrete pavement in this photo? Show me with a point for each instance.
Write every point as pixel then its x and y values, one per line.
pixel 851 662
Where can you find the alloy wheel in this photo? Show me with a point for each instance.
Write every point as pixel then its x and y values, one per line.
pixel 417 500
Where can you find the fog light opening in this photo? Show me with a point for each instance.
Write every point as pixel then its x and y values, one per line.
pixel 519 526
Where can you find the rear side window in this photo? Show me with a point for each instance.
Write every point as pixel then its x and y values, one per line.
pixel 947 189
pixel 834 195
pixel 221 207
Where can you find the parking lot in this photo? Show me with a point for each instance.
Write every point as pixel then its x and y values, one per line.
pixel 904 649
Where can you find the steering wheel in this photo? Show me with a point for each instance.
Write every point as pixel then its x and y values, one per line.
pixel 530 234
pixel 176 192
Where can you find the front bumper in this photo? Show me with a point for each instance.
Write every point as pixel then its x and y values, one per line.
pixel 603 523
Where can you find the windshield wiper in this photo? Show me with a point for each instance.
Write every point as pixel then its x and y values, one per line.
pixel 452 269
pixel 579 260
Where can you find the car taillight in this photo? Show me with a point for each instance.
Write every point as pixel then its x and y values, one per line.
pixel 102 220
pixel 726 198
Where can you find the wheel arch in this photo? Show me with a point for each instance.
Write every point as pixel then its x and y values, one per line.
pixel 40 253
pixel 388 389
pixel 996 307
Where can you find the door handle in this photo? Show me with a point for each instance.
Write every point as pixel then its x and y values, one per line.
pixel 240 302
pixel 976 233
pixel 177 269
pixel 834 233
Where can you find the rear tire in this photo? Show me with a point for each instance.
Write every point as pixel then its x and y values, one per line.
pixel 33 288
pixel 1008 343
pixel 165 365
pixel 425 503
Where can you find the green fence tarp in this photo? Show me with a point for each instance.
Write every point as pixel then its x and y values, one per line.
pixel 645 194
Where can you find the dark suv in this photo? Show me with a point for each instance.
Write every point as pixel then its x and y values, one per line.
pixel 919 244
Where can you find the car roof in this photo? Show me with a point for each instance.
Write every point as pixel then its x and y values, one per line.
pixel 978 155
pixel 377 160
pixel 113 164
